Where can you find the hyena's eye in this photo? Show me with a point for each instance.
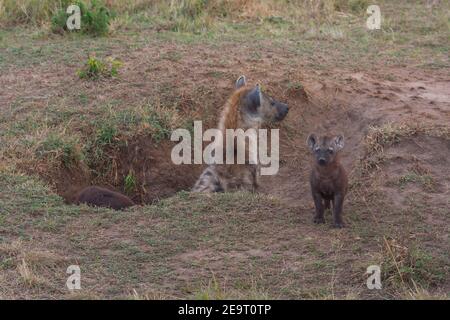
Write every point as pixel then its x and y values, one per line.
pixel 330 150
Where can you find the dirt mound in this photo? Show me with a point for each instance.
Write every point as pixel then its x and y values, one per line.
pixel 348 106
pixel 417 165
pixel 155 176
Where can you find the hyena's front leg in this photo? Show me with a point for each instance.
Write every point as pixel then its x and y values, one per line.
pixel 338 202
pixel 319 217
pixel 241 177
pixel 254 173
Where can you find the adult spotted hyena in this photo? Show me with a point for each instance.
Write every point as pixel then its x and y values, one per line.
pixel 247 108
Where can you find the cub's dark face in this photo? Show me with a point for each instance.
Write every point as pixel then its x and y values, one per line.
pixel 259 106
pixel 324 148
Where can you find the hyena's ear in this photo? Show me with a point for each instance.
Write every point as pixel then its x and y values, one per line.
pixel 311 141
pixel 241 82
pixel 254 97
pixel 339 142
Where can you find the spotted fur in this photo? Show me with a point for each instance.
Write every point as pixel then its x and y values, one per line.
pixel 248 107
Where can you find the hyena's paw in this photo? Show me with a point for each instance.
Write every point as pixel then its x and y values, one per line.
pixel 319 219
pixel 338 225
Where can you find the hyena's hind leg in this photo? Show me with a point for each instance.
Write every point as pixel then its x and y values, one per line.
pixel 208 182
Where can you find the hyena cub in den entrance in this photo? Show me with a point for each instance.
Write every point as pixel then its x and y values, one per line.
pixel 247 108
pixel 328 177
pixel 101 197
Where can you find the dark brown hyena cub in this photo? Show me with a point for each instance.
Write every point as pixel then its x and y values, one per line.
pixel 101 197
pixel 328 177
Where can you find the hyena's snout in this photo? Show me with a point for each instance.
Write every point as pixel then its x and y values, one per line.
pixel 282 110
pixel 322 161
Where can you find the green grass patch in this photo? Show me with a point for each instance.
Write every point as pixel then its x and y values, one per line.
pixel 61 148
pixel 96 68
pixel 130 183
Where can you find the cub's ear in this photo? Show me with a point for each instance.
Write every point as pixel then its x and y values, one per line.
pixel 241 82
pixel 311 141
pixel 339 142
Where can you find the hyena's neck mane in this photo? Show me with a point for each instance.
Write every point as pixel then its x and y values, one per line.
pixel 231 117
pixel 234 117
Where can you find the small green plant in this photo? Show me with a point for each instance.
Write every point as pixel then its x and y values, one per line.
pixel 96 68
pixel 93 69
pixel 115 66
pixel 95 18
pixel 106 134
pixel 130 182
pixel 58 21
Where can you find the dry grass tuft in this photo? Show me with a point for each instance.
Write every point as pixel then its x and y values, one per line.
pixel 27 11
pixel 149 295
pixel 421 294
pixel 407 269
pixel 185 15
pixel 214 290
pixel 380 137
pixel 28 275
pixel 30 263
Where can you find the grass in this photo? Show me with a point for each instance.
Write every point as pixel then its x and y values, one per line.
pixel 389 134
pixel 95 68
pixel 85 245
pixel 215 291
pixel 55 139
pixel 425 181
pixel 28 11
pixel 196 20
pixel 27 275
pixel 411 268
pixel 193 227
pixel 177 65
pixel 61 151
pixel 130 183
